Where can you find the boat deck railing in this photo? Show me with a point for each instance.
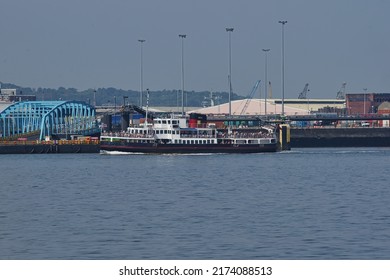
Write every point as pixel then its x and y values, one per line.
pixel 239 135
pixel 127 135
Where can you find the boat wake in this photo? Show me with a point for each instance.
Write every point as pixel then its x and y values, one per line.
pixel 118 153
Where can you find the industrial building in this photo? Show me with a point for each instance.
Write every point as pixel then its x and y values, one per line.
pixel 365 103
pixel 272 106
pixel 11 95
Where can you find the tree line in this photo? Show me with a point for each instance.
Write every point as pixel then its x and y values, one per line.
pixel 114 96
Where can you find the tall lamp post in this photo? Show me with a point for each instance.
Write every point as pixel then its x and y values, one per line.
pixel 182 36
pixel 266 81
pixel 283 22
pixel 141 90
pixel 230 30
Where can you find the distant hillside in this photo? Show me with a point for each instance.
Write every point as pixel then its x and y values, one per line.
pixel 105 96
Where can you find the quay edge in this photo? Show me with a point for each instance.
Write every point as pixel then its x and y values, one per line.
pixel 48 148
pixel 340 137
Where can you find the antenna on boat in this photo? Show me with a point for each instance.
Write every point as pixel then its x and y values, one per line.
pixel 147 107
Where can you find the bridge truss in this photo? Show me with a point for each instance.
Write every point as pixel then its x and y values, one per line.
pixel 47 118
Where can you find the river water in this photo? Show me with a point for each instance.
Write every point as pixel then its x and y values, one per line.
pixel 300 204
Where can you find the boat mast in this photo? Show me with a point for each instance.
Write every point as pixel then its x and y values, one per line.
pixel 147 108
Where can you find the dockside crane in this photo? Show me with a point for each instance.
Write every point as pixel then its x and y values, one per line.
pixel 250 96
pixel 341 92
pixel 302 95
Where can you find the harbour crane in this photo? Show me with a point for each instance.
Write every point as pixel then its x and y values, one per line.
pixel 302 95
pixel 341 92
pixel 250 96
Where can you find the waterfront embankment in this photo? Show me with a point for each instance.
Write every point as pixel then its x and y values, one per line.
pixel 340 137
pixel 49 147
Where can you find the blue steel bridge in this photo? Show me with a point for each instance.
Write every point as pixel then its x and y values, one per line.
pixel 47 118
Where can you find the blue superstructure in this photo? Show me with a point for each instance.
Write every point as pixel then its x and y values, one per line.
pixel 48 118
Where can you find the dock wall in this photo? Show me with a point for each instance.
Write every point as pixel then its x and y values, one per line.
pixel 48 148
pixel 340 137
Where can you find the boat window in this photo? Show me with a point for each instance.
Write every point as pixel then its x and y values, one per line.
pixel 165 132
pixel 164 122
pixel 169 121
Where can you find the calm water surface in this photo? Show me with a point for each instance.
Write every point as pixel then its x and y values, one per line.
pixel 302 204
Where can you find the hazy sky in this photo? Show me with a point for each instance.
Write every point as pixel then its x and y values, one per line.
pixel 94 43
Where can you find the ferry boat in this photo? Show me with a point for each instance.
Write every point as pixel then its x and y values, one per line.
pixel 174 135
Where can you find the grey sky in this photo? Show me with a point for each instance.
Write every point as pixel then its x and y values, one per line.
pixel 92 43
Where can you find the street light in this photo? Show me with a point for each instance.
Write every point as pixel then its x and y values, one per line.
pixel 182 36
pixel 230 30
pixel 141 74
pixel 283 22
pixel 266 82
